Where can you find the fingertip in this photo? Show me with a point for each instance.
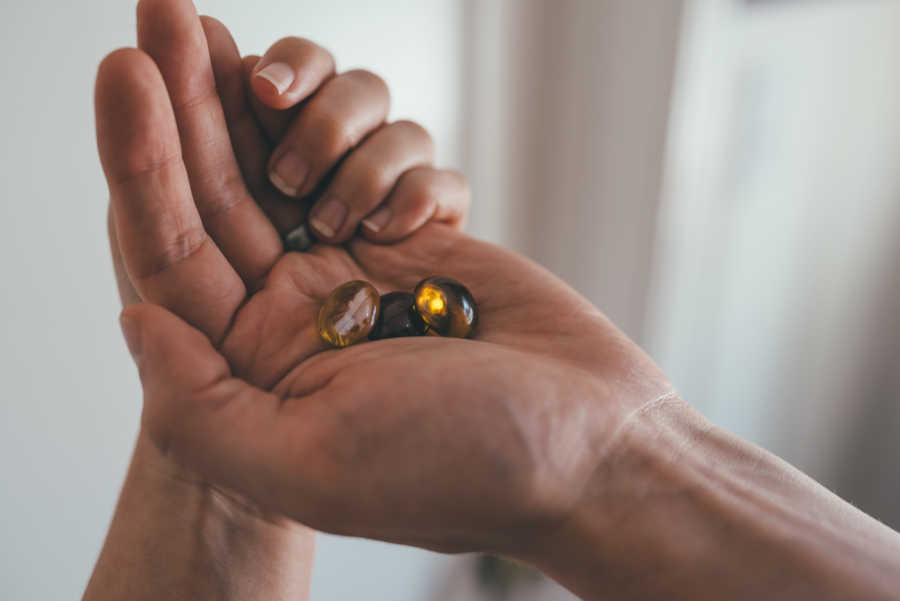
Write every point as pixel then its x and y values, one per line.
pixel 130 101
pixel 212 24
pixel 249 63
pixel 122 62
pixel 118 74
pixel 290 70
pixel 162 18
pixel 108 69
pixel 272 81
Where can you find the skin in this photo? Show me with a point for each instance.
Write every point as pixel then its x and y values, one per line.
pixel 549 437
pixel 214 150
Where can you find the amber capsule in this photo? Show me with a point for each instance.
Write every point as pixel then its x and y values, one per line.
pixel 397 317
pixel 348 314
pixel 446 306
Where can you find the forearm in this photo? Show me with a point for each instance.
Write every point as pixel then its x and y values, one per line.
pixel 173 538
pixel 687 511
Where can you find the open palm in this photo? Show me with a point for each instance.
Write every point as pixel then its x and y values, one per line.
pixel 444 443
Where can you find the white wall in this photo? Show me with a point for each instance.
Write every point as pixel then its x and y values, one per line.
pixel 70 396
pixel 776 282
pixel 567 121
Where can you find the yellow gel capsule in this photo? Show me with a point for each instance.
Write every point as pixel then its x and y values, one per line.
pixel 348 314
pixel 446 306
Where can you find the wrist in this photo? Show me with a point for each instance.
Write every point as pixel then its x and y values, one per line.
pixel 680 509
pixel 174 537
pixel 610 540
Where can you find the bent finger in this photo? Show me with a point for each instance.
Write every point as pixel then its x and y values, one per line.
pixel 251 146
pixel 422 194
pixel 289 71
pixel 366 177
pixel 334 120
pixel 273 122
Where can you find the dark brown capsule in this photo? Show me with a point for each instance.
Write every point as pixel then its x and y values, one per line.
pixel 348 314
pixel 397 317
pixel 446 306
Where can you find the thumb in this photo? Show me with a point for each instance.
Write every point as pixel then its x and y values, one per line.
pixel 174 359
pixel 194 410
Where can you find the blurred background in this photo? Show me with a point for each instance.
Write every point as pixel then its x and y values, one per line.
pixel 719 176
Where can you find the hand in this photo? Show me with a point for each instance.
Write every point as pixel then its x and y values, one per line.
pixel 165 508
pixel 443 443
pixel 504 429
pixel 327 129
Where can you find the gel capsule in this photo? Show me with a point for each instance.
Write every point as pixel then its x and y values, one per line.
pixel 398 317
pixel 348 314
pixel 446 306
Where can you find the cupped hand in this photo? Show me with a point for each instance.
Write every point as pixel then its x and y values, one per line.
pixel 449 444
pixel 443 443
pixel 190 135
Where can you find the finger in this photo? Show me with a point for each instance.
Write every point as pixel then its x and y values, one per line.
pixel 291 70
pixel 343 112
pixel 367 176
pixel 127 294
pixel 170 32
pixel 251 147
pixel 167 255
pixel 274 122
pixel 422 194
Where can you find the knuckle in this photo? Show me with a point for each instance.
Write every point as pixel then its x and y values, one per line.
pixel 373 83
pixel 421 194
pixel 369 182
pixel 412 127
pixel 303 49
pixel 465 190
pixel 417 134
pixel 294 43
pixel 366 77
pixel 330 135
pixel 465 202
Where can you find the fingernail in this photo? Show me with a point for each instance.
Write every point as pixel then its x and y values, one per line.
pixel 330 216
pixel 132 335
pixel 289 173
pixel 280 75
pixel 379 219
